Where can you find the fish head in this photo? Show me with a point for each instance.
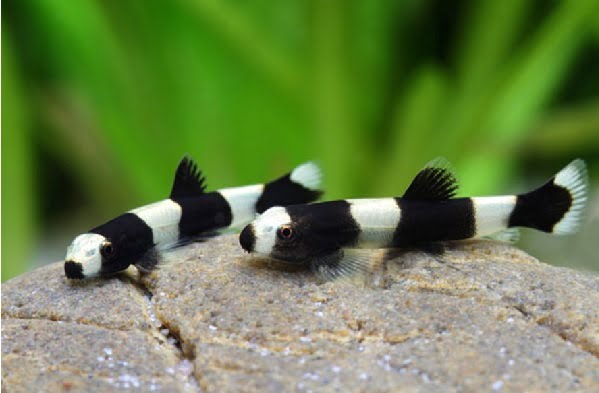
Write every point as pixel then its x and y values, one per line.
pixel 87 255
pixel 275 235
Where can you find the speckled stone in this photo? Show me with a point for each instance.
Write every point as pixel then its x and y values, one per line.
pixel 41 355
pixel 46 294
pixel 488 317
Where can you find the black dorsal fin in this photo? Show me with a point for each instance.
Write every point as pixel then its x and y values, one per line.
pixel 435 182
pixel 188 180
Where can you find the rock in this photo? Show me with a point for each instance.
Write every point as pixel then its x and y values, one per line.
pixel 488 317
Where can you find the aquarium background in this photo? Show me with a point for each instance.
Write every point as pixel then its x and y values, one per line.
pixel 101 99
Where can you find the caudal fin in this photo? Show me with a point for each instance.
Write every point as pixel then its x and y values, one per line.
pixel 558 205
pixel 302 185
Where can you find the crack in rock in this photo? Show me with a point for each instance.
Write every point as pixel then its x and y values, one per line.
pixel 558 328
pixel 547 321
pixel 185 370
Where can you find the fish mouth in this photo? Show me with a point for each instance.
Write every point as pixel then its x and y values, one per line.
pixel 73 270
pixel 247 238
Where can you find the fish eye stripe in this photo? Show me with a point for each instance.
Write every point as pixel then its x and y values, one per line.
pixel 333 219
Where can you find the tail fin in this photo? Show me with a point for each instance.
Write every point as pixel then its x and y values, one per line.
pixel 557 206
pixel 302 185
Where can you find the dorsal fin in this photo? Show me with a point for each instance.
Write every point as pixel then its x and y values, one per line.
pixel 188 180
pixel 435 182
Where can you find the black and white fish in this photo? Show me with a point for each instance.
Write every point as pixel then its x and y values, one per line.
pixel 328 236
pixel 140 236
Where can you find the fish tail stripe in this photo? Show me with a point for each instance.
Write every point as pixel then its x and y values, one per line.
pixel 575 179
pixel 299 186
pixel 558 205
pixel 307 175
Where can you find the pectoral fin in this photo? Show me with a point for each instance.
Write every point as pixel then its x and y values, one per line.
pixel 343 263
pixel 510 235
pixel 183 241
pixel 156 257
pixel 149 261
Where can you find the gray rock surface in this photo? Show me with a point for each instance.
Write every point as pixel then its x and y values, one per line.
pixel 487 318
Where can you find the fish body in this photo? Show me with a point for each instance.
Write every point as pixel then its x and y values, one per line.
pixel 427 214
pixel 140 236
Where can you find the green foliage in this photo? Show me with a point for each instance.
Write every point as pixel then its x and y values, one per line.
pixel 17 189
pixel 109 95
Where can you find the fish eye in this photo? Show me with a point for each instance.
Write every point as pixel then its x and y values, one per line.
pixel 106 249
pixel 286 232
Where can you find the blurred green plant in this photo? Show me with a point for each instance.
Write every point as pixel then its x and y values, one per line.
pixel 102 98
pixel 18 220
